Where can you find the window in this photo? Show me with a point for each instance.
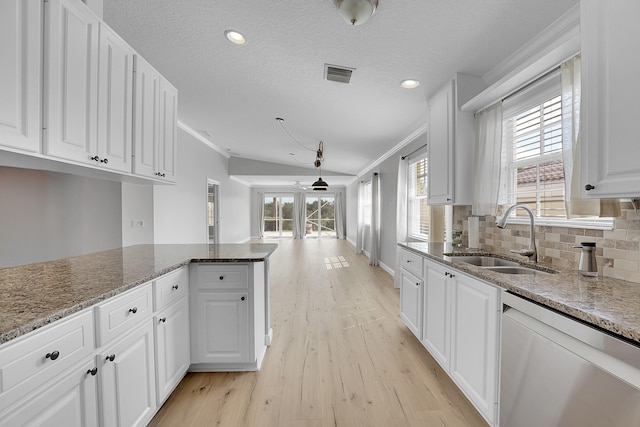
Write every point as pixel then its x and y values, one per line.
pixel 533 151
pixel 532 145
pixel 418 210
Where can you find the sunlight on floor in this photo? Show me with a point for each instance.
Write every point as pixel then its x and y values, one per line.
pixel 335 262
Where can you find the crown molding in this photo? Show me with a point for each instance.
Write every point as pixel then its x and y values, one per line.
pixel 188 129
pixel 399 146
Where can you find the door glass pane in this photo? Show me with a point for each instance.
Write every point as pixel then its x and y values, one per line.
pixel 327 217
pixel 286 215
pixel 313 214
pixel 270 215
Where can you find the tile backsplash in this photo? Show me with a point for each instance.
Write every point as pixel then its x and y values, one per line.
pixel 617 250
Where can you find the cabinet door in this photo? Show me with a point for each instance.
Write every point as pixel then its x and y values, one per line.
pixel 146 116
pixel 20 67
pixel 474 342
pixel 221 328
pixel 70 400
pixel 168 131
pixel 437 324
pixel 610 107
pixel 172 347
pixel 411 302
pixel 115 101
pixel 128 381
pixel 71 76
pixel 441 146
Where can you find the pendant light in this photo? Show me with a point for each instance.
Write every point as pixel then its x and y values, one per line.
pixel 356 12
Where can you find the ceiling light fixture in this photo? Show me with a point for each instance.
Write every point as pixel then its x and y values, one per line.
pixel 319 185
pixel 410 84
pixel 235 37
pixel 356 12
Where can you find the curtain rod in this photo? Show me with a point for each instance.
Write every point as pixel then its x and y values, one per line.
pixel 407 155
pixel 533 82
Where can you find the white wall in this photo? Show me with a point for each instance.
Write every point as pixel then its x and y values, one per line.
pixel 352 211
pixel 180 210
pixel 137 206
pixel 49 215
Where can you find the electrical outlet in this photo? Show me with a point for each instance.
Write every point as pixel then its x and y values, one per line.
pixel 137 223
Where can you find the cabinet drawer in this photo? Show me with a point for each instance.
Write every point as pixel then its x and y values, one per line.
pixel 411 262
pixel 123 313
pixel 170 287
pixel 216 276
pixel 44 353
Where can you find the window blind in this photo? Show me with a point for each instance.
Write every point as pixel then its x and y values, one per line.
pixel 418 209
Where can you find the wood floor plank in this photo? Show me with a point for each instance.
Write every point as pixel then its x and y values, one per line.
pixel 341 356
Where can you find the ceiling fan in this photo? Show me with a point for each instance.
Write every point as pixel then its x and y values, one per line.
pixel 297 184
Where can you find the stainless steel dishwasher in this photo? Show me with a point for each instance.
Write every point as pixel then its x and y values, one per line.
pixel 556 371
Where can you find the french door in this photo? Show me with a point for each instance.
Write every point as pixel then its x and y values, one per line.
pixel 321 218
pixel 278 215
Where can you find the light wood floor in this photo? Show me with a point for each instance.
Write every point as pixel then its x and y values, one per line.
pixel 341 356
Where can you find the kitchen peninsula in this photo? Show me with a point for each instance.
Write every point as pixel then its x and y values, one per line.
pixel 118 329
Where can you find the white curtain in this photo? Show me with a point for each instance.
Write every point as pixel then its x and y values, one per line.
pixel 401 214
pixel 374 252
pixel 360 233
pixel 486 167
pixel 299 215
pixel 260 215
pixel 571 157
pixel 340 216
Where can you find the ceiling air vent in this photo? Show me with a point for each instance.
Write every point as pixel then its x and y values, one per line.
pixel 338 74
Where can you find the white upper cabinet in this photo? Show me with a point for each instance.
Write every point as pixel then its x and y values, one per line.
pixel 610 107
pixel 155 123
pixel 115 101
pixel 20 68
pixel 451 142
pixel 71 76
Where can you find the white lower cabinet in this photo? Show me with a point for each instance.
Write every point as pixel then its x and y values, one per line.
pixel 460 327
pixel 411 302
pixel 172 347
pixel 127 379
pixel 227 309
pixel 437 313
pixel 70 400
pixel 475 330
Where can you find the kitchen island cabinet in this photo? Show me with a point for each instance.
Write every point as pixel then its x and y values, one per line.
pixel 120 318
pixel 227 316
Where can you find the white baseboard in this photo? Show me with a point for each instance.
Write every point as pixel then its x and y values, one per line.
pixel 352 242
pixel 386 268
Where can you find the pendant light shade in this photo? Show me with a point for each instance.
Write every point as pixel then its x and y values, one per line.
pixel 319 185
pixel 356 12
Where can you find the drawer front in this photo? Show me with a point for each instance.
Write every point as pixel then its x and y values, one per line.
pixel 170 287
pixel 232 276
pixel 123 313
pixel 411 262
pixel 42 354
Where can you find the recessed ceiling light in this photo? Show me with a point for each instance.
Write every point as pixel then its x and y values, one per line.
pixel 410 84
pixel 235 37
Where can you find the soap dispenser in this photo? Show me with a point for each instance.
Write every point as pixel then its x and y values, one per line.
pixel 587 266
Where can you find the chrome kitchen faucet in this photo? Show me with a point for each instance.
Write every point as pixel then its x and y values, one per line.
pixel 532 252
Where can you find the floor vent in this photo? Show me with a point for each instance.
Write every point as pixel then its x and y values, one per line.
pixel 338 74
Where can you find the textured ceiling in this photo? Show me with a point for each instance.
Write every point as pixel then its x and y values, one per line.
pixel 235 92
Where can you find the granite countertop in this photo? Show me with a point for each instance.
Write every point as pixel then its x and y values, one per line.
pixel 610 304
pixel 34 295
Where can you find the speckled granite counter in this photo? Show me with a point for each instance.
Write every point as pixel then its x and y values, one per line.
pixel 611 304
pixel 34 295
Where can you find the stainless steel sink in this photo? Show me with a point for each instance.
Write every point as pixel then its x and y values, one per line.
pixel 516 270
pixel 486 261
